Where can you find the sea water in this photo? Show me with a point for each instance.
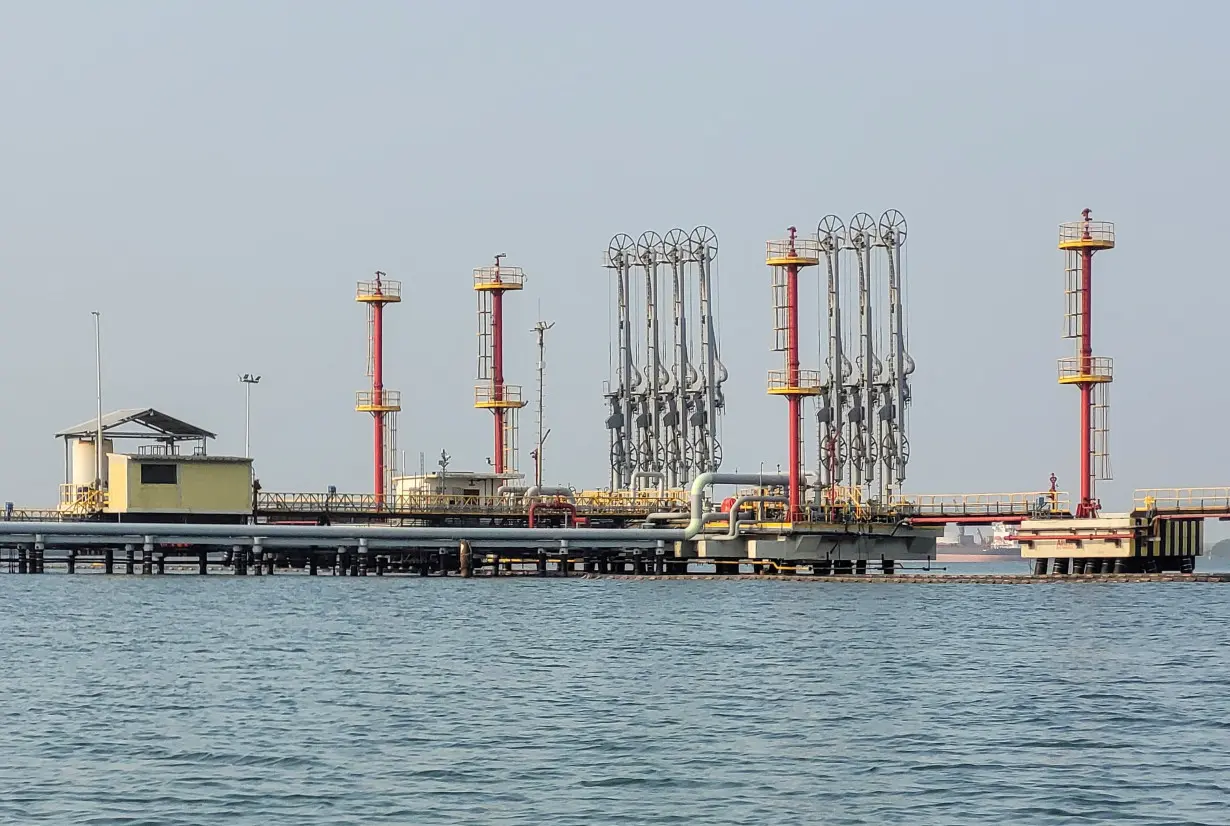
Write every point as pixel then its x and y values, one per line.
pixel 297 700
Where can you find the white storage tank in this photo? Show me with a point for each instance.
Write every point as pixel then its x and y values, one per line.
pixel 84 467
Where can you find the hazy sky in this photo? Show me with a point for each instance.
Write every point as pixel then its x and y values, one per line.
pixel 214 177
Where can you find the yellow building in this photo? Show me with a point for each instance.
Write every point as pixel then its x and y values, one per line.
pixel 197 485
pixel 170 475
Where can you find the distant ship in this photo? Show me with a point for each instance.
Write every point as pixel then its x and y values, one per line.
pixel 958 545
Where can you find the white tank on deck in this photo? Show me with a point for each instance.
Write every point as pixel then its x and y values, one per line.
pixel 83 461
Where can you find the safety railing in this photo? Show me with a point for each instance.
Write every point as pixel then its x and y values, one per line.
pixel 511 276
pixel 1086 230
pixel 31 515
pixel 1028 503
pixel 388 399
pixel 845 501
pixel 510 394
pixel 1183 500
pixel 445 503
pixel 804 248
pixel 1074 368
pixel 381 289
pixel 82 499
pixel 779 380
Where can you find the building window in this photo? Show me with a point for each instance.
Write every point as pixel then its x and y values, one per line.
pixel 152 474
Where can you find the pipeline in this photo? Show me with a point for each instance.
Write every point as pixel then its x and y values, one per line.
pixel 329 533
pixel 511 490
pixel 732 532
pixel 557 505
pixel 540 491
pixel 647 475
pixel 715 478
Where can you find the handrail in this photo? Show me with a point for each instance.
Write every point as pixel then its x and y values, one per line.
pixel 1179 500
pixel 367 398
pixel 1086 230
pixel 82 499
pixel 387 289
pixel 431 503
pixel 1021 503
pixel 807 379
pixel 1076 367
pixel 802 248
pixel 512 276
pixel 486 394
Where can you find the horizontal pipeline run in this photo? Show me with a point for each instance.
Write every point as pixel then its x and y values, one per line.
pixel 330 534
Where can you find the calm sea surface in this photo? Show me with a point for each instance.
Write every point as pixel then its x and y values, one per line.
pixel 291 700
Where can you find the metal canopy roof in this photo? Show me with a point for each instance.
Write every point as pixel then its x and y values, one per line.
pixel 162 425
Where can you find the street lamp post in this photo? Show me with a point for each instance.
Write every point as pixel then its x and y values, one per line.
pixel 98 438
pixel 248 379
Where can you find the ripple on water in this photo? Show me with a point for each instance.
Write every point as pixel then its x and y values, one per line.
pixel 243 702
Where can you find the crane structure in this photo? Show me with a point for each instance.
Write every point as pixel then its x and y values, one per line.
pixel 1080 240
pixel 382 404
pixel 492 393
pixel 863 392
pixel 665 394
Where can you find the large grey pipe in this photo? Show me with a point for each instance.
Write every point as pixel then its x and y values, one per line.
pixel 327 532
pixel 713 478
pixel 539 491
pixel 732 532
pixel 647 475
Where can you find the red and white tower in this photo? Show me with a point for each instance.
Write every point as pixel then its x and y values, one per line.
pixel 382 404
pixel 503 400
pixel 1092 374
pixel 787 257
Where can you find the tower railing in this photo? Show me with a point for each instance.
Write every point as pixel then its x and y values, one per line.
pixel 779 381
pixel 778 251
pixel 365 400
pixel 373 291
pixel 1072 370
pixel 511 278
pixel 1101 232
pixel 486 395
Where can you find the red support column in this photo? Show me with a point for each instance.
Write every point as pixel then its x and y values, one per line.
pixel 378 397
pixel 497 367
pixel 1086 507
pixel 792 379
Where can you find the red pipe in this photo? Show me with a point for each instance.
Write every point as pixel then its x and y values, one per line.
pixel 497 366
pixel 378 394
pixel 792 379
pixel 558 505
